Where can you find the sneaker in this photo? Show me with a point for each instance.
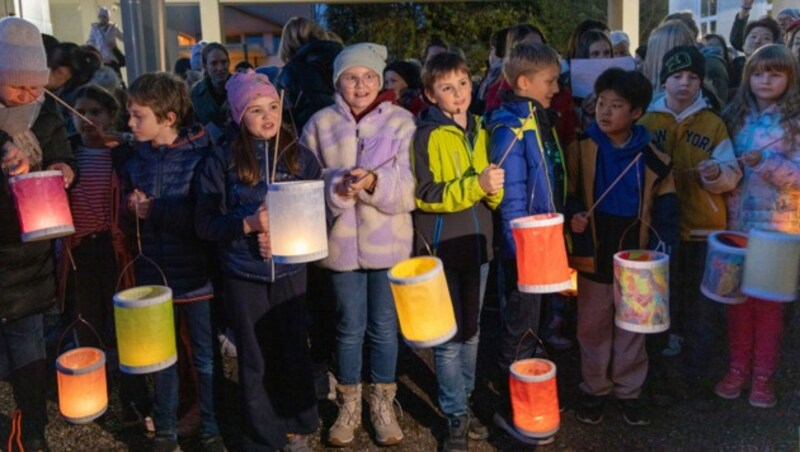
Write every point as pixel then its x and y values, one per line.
pixel 296 443
pixel 762 394
pixel 165 444
pixel 674 346
pixel 226 346
pixel 634 412
pixel 590 409
pixel 504 422
pixel 731 386
pixel 477 431
pixel 212 444
pixel 457 432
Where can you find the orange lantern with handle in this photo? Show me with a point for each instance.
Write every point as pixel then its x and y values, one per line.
pixel 541 253
pixel 82 389
pixel 42 205
pixel 534 397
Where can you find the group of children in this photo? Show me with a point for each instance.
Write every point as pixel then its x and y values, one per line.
pixel 669 173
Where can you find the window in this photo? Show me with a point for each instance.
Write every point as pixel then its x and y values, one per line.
pixel 708 16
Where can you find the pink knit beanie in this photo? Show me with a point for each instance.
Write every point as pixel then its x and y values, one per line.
pixel 24 62
pixel 243 87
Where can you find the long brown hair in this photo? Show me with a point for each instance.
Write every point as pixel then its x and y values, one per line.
pixel 247 165
pixel 773 57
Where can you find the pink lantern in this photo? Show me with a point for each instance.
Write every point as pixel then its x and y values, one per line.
pixel 42 205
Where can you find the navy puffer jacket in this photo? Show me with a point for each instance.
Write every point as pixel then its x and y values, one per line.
pixel 168 175
pixel 223 201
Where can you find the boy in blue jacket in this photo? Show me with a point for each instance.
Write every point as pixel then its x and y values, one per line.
pixel 158 185
pixel 613 360
pixel 534 182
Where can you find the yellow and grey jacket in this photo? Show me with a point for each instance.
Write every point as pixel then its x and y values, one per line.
pixel 695 135
pixel 453 216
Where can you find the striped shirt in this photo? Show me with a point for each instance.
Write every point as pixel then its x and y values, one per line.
pixel 90 198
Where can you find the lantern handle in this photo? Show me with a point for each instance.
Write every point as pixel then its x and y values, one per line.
pixel 141 254
pixel 72 326
pixel 661 245
pixel 538 340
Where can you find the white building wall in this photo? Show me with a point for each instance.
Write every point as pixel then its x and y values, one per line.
pixel 727 11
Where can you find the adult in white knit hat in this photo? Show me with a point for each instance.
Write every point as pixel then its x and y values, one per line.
pixel 24 61
pixel 103 36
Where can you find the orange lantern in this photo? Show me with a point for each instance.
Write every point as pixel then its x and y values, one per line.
pixel 534 397
pixel 42 205
pixel 82 391
pixel 541 253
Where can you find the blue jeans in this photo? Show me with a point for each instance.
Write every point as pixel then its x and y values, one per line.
pixel 455 360
pixel 165 412
pixel 365 305
pixel 21 343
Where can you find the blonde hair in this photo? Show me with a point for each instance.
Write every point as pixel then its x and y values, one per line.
pixel 772 57
pixel 296 32
pixel 672 33
pixel 528 58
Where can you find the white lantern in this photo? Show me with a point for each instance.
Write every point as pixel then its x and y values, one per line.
pixel 297 227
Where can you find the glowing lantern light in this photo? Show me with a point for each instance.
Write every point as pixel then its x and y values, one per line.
pixel 722 277
pixel 641 291
pixel 534 397
pixel 145 329
pixel 297 227
pixel 541 253
pixel 82 390
pixel 772 266
pixel 42 205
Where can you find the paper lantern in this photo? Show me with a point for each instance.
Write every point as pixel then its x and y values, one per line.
pixel 722 277
pixel 423 303
pixel 42 205
pixel 297 226
pixel 82 390
pixel 572 291
pixel 641 291
pixel 534 397
pixel 771 266
pixel 145 329
pixel 541 254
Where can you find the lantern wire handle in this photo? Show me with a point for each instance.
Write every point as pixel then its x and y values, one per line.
pixel 277 141
pixel 661 245
pixel 72 326
pixel 538 340
pixel 140 254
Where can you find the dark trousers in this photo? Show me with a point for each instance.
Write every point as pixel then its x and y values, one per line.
pixel 270 322
pixel 93 285
pixel 522 313
pixel 322 308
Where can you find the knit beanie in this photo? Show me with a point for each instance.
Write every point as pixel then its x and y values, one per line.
pixel 768 23
pixel 683 58
pixel 408 71
pixel 243 87
pixel 103 12
pixel 366 54
pixel 197 56
pixel 24 61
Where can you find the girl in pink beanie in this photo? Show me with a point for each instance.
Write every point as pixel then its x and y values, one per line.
pixel 266 301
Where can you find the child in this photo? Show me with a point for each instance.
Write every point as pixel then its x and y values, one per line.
pixel 614 361
pixel 534 182
pixel 764 109
pixel 27 276
pixel 267 300
pixel 363 142
pixel 158 184
pixel 456 187
pixel 683 124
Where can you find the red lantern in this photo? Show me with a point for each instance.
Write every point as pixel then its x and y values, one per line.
pixel 82 391
pixel 42 205
pixel 534 397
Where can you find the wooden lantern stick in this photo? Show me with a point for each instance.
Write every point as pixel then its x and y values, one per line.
pixel 68 107
pixel 277 141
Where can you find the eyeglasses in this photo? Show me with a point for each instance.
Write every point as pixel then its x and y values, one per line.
pixel 370 78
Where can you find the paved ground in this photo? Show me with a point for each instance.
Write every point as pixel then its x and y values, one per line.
pixel 734 426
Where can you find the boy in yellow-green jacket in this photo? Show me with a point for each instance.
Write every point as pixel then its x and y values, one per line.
pixel 456 188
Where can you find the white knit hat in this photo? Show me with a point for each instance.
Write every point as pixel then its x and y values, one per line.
pixel 366 54
pixel 24 61
pixel 103 12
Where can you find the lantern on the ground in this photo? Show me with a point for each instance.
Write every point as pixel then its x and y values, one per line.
pixel 772 266
pixel 534 397
pixel 42 205
pixel 297 226
pixel 641 291
pixel 145 329
pixel 541 253
pixel 82 390
pixel 722 277
pixel 422 300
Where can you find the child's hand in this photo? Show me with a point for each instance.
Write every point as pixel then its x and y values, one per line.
pixel 492 179
pixel 752 158
pixel 139 204
pixel 14 162
pixel 66 171
pixel 257 222
pixel 360 179
pixel 111 139
pixel 264 246
pixel 709 169
pixel 579 222
pixel 589 105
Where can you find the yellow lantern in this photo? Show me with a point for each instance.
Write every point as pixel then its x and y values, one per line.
pixel 82 390
pixel 297 226
pixel 42 205
pixel 423 303
pixel 772 266
pixel 145 329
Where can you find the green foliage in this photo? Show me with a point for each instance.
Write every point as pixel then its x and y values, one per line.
pixel 404 27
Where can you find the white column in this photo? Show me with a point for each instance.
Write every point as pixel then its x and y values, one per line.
pixel 624 15
pixel 211 20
